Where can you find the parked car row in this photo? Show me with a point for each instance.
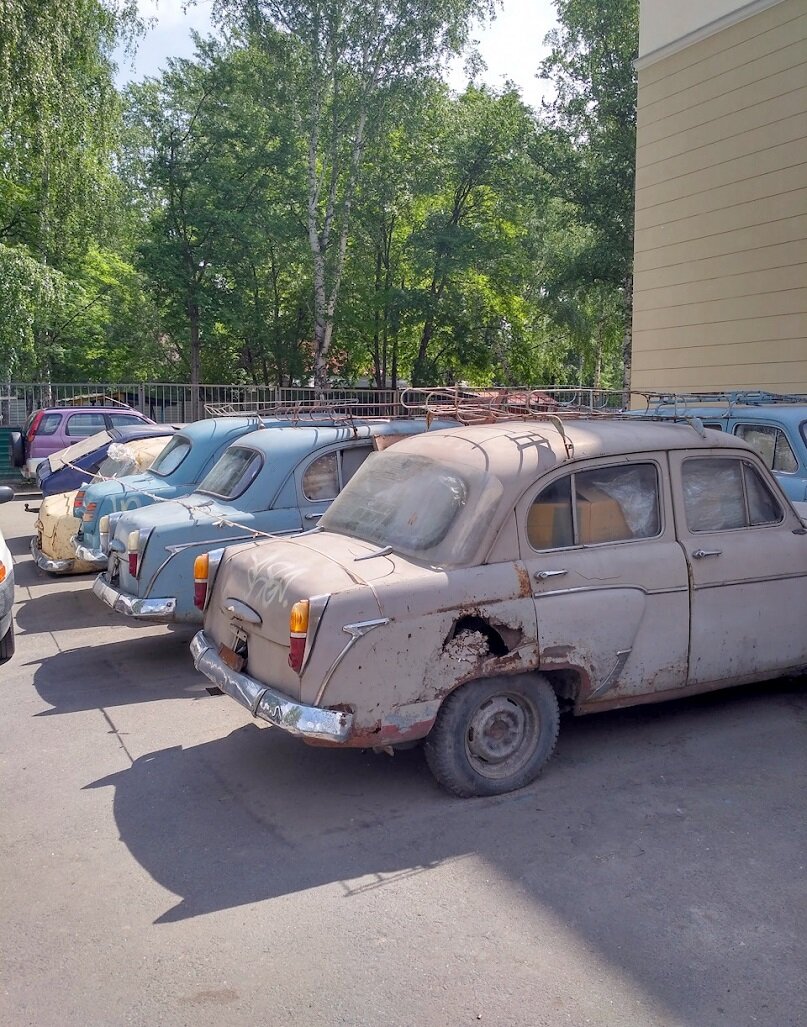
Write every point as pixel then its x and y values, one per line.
pixel 388 582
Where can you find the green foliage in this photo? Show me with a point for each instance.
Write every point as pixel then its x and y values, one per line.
pixel 305 196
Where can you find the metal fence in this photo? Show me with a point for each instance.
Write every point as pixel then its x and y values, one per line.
pixel 174 403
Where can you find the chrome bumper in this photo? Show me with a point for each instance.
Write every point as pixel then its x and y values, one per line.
pixel 45 563
pixel 131 606
pixel 267 703
pixel 94 556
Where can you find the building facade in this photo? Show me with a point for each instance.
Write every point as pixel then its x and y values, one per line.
pixel 720 274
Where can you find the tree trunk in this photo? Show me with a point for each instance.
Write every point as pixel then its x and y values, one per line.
pixel 196 357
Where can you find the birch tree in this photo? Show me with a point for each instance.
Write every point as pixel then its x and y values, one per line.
pixel 348 58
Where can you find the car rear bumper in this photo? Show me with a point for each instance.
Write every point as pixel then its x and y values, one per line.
pixel 46 563
pixel 97 557
pixel 133 606
pixel 267 703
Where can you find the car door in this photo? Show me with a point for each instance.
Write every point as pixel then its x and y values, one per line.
pixel 747 556
pixel 609 579
pixel 321 477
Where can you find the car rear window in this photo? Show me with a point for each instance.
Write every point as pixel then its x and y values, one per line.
pixel 420 507
pixel 233 473
pixel 724 494
pixel 49 424
pixel 172 456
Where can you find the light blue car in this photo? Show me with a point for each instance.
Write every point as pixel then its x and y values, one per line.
pixel 278 481
pixel 775 426
pixel 176 472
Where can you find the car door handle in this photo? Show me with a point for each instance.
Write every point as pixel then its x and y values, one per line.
pixel 543 575
pixel 312 516
pixel 701 554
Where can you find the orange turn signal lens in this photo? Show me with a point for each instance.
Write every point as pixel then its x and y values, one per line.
pixel 2 571
pixel 298 618
pixel 201 567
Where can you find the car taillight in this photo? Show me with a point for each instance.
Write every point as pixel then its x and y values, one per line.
pixel 34 425
pixel 2 571
pixel 133 550
pixel 89 512
pixel 298 632
pixel 201 570
pixel 78 502
pixel 103 532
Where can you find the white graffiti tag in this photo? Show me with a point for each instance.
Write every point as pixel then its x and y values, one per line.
pixel 269 582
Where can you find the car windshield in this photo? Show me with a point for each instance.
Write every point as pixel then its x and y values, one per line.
pixel 172 456
pixel 421 507
pixel 233 473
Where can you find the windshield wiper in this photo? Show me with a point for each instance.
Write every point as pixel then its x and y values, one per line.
pixel 369 556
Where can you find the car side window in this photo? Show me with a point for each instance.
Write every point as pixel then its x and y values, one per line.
pixel 321 478
pixel 325 477
pixel 604 504
pixel 722 494
pixel 119 420
pixel 82 425
pixel 771 444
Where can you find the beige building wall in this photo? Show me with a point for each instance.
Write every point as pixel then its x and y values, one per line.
pixel 720 276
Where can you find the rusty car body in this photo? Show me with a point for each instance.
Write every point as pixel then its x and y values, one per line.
pixel 470 584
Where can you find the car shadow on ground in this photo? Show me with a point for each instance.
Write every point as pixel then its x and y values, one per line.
pixel 63 611
pixel 136 670
pixel 651 834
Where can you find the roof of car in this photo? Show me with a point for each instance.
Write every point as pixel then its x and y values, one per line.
pixel 294 439
pixel 775 413
pixel 512 449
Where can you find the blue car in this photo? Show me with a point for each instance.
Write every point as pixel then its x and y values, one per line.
pixel 279 481
pixel 176 472
pixel 70 468
pixel 774 426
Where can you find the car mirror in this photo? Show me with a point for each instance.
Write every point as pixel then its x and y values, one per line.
pixel 6 494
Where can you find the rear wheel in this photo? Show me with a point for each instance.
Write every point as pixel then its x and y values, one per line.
pixel 7 644
pixel 16 447
pixel 494 735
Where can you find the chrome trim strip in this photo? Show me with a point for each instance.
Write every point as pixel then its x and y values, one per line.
pixel 608 588
pixel 266 702
pixel 355 631
pixel 132 606
pixel 750 581
pixel 45 563
pixel 316 608
pixel 612 679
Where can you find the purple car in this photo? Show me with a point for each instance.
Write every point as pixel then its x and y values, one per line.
pixel 54 428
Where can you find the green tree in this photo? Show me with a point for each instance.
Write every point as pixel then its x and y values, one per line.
pixel 589 150
pixel 347 59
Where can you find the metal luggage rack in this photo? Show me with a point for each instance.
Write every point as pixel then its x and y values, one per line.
pixel 681 402
pixel 340 411
pixel 487 406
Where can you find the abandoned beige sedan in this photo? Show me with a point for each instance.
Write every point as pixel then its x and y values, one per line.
pixel 470 584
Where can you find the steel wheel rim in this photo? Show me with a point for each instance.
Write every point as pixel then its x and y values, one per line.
pixel 502 735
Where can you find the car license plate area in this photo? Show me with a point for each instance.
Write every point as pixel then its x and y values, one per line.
pixel 235 661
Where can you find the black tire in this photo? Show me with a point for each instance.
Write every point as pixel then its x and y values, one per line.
pixel 7 644
pixel 16 449
pixel 494 735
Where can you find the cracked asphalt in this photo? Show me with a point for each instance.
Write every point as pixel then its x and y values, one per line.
pixel 165 860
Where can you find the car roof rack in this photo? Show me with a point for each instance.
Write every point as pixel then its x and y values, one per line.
pixel 683 401
pixel 487 406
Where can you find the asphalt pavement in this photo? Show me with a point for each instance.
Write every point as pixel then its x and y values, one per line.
pixel 166 860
